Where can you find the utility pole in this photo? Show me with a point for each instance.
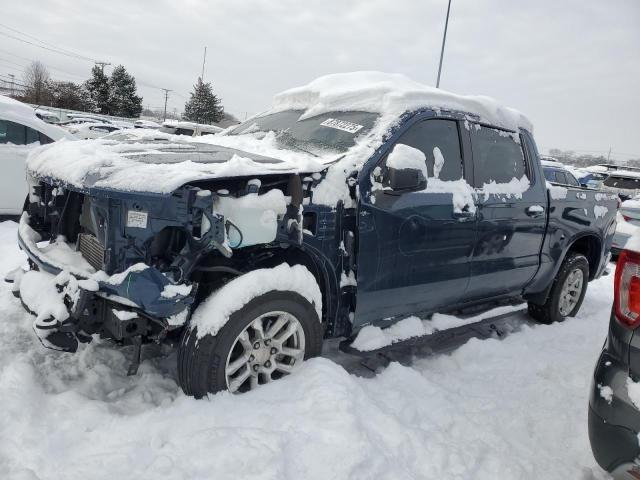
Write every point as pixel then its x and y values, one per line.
pixel 166 97
pixel 102 65
pixel 204 60
pixel 12 77
pixel 609 155
pixel 444 39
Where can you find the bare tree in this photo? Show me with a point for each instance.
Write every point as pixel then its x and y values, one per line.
pixel 36 79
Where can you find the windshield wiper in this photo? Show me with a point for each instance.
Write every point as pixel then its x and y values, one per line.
pixel 292 143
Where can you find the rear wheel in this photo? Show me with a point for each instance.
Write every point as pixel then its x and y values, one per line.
pixel 567 292
pixel 263 341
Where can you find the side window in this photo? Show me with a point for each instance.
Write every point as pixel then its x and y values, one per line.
pixel 561 178
pixel 439 140
pixel 14 133
pixel 571 180
pixel 44 139
pixel 497 156
pixel 32 135
pixel 549 175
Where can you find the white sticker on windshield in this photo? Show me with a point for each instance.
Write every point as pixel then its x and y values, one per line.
pixel 341 125
pixel 137 219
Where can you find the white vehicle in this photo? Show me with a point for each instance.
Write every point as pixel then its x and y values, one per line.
pixel 85 131
pixel 146 124
pixel 20 132
pixel 175 127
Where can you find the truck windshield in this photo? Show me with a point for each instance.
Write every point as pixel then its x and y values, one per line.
pixel 333 132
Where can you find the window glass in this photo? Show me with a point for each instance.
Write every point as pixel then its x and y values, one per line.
pixel 549 174
pixel 561 178
pixel 497 156
pixel 571 180
pixel 622 182
pixel 44 139
pixel 32 135
pixel 437 139
pixel 11 132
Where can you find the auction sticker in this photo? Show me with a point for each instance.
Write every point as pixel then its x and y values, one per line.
pixel 341 125
pixel 137 219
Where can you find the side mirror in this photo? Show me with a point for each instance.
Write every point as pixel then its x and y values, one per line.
pixel 406 179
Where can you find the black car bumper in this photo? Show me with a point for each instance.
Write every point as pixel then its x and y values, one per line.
pixel 614 421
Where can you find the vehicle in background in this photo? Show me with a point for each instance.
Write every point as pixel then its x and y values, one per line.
pixel 625 183
pixel 20 131
pixel 630 210
pixel 86 131
pixel 557 173
pixel 47 116
pixel 610 167
pixel 614 401
pixel 624 231
pixel 146 124
pixel 249 249
pixel 548 158
pixel 591 180
pixel 175 127
pixel 140 135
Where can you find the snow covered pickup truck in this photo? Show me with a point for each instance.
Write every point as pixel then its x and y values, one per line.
pixel 357 200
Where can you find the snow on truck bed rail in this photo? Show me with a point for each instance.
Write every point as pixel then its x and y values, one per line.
pixel 124 166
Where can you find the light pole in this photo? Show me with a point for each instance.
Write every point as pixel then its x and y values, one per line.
pixel 444 39
pixel 166 96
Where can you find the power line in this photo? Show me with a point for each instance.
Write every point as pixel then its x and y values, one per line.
pixel 44 45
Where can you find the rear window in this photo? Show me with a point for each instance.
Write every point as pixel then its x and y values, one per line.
pixel 497 156
pixel 627 183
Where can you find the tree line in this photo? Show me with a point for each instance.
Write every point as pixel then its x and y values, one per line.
pixel 570 157
pixel 109 95
pixel 114 94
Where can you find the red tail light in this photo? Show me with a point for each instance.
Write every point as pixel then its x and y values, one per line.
pixel 627 289
pixel 626 218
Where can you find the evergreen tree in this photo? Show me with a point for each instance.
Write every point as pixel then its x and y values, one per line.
pixel 98 88
pixel 70 95
pixel 123 100
pixel 203 106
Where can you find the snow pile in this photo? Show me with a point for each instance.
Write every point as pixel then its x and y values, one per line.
pixel 172 291
pixel 557 192
pixel 405 157
pixel 462 192
pixel 75 417
pixel 373 338
pixel 514 188
pixel 391 95
pixel 600 211
pixel 215 311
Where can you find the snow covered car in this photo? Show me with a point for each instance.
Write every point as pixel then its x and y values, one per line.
pixel 357 200
pixel 625 183
pixel 85 131
pixel 190 129
pixel 20 132
pixel 614 403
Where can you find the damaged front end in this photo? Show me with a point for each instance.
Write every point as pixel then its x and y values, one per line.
pixel 117 265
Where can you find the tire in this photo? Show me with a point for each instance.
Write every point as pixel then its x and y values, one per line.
pixel 202 363
pixel 554 310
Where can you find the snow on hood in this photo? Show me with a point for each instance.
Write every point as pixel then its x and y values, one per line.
pixel 390 94
pixel 19 112
pixel 155 166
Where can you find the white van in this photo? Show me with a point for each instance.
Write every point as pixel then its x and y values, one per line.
pixel 20 132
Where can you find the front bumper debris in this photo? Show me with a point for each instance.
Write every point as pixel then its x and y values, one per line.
pixel 70 302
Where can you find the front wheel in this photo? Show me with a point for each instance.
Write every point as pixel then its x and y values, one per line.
pixel 567 292
pixel 263 341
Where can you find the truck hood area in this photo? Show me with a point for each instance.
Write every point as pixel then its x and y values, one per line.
pixel 158 166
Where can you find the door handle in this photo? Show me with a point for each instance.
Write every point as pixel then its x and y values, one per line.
pixel 534 210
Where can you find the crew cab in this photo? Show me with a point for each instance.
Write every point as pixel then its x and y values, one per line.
pixel 359 199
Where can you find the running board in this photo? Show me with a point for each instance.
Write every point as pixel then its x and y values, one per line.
pixel 443 340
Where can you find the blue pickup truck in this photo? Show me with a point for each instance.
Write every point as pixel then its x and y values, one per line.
pixel 359 199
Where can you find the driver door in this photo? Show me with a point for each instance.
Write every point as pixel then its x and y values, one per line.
pixel 414 249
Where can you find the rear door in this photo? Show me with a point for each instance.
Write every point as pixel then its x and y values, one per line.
pixel 511 206
pixel 414 249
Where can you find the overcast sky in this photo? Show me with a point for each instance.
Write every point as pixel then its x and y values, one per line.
pixel 572 66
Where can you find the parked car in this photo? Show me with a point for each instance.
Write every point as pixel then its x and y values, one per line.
pixel 624 231
pixel 20 131
pixel 359 199
pixel 614 403
pixel 190 129
pixel 624 183
pixel 630 210
pixel 85 131
pixel 557 173
pixel 146 124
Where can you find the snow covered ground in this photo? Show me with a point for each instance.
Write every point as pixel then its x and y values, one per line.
pixel 493 409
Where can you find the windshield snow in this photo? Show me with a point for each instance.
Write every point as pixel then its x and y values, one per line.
pixel 332 132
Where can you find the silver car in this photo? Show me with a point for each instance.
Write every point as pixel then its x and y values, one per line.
pixel 625 183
